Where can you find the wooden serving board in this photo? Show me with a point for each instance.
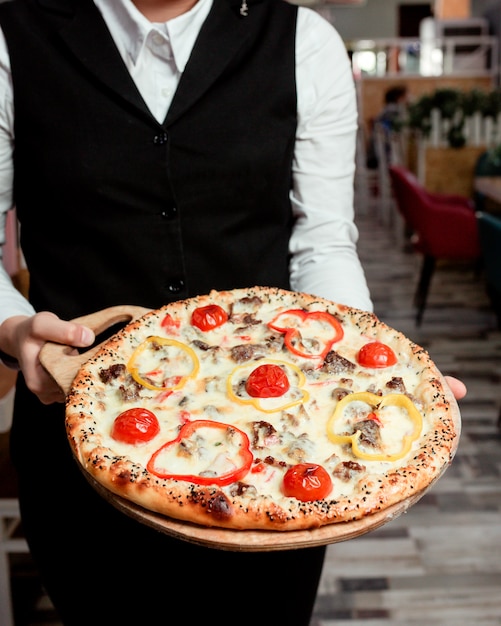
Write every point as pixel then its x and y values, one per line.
pixel 63 364
pixel 255 540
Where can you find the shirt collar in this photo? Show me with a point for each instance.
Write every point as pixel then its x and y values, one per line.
pixel 129 28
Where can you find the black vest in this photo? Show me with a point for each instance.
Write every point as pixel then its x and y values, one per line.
pixel 118 209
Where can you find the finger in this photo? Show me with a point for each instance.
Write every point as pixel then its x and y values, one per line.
pixel 52 397
pixel 41 383
pixel 457 387
pixel 48 327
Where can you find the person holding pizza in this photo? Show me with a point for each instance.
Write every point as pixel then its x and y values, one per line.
pixel 154 150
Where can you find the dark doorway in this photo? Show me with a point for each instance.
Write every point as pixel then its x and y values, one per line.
pixel 409 18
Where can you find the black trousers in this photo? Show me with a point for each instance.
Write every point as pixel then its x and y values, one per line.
pixel 100 566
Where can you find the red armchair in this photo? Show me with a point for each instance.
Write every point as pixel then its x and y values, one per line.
pixel 443 226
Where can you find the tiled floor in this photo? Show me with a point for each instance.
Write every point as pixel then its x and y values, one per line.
pixel 440 563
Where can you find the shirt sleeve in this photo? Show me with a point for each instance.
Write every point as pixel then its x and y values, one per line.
pixel 323 246
pixel 11 300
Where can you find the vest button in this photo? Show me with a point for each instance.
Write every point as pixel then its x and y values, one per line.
pixel 176 286
pixel 169 213
pixel 160 139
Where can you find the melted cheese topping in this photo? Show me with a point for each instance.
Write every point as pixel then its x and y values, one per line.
pixel 283 431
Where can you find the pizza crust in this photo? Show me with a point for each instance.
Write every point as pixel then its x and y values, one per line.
pixel 122 469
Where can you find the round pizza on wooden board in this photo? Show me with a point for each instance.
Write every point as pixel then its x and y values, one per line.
pixel 262 409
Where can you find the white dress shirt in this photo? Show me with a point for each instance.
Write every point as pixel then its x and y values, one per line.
pixel 323 243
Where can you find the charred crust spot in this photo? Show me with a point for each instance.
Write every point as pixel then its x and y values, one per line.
pixel 215 503
pixel 220 507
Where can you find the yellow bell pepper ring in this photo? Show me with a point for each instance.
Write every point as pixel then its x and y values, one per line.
pixel 175 381
pixel 376 403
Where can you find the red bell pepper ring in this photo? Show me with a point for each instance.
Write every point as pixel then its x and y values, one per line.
pixel 243 455
pixel 289 322
pixel 170 323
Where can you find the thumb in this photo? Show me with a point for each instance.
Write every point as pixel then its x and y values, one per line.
pixel 80 336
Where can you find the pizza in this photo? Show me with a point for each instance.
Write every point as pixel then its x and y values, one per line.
pixel 261 409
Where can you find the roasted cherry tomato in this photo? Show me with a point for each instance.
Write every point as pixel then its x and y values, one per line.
pixel 306 482
pixel 267 381
pixel 376 354
pixel 209 317
pixel 135 426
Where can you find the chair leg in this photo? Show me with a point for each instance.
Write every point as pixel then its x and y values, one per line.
pixel 421 296
pixel 494 296
pixel 9 544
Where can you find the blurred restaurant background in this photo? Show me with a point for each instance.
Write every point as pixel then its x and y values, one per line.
pixel 428 209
